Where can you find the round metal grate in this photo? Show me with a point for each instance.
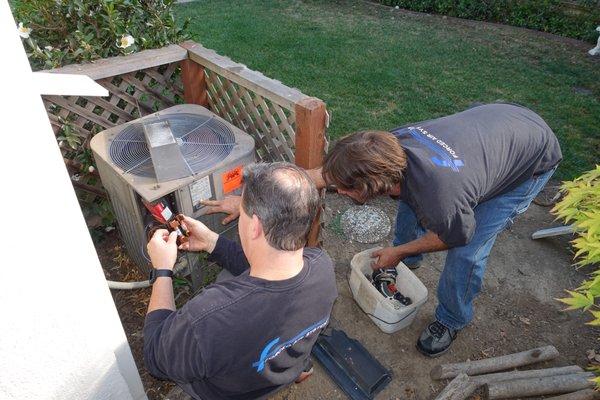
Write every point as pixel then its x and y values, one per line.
pixel 203 141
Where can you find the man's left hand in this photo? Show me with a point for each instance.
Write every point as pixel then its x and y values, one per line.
pixel 162 249
pixel 230 205
pixel 386 257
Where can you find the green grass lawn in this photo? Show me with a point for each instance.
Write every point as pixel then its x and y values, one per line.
pixel 377 68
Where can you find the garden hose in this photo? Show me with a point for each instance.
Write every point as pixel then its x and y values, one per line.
pixel 128 285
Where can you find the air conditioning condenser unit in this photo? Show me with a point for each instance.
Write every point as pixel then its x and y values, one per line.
pixel 179 156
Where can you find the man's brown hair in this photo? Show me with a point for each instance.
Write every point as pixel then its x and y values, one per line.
pixel 370 162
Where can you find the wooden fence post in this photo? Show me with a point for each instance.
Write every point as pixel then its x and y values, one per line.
pixel 194 83
pixel 310 145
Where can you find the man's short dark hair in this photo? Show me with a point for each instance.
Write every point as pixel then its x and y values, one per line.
pixel 284 199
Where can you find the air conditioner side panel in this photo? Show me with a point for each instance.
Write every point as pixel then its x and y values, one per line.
pixel 132 233
pixel 127 212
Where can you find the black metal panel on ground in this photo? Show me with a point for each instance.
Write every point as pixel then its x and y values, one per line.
pixel 350 365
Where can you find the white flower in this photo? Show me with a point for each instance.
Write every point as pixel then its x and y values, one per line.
pixel 126 41
pixel 91 169
pixel 23 31
pixel 49 48
pixel 596 50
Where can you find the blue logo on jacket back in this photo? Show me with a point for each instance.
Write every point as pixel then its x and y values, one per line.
pixel 271 350
pixel 445 156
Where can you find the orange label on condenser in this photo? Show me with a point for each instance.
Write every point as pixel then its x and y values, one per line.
pixel 232 179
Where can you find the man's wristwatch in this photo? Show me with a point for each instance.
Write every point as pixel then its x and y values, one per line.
pixel 157 273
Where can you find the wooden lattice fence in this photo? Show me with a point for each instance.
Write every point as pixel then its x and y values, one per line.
pixel 271 125
pixel 286 124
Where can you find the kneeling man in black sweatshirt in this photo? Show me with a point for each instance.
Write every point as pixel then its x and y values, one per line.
pixel 248 336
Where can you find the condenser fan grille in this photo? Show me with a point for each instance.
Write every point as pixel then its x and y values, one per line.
pixel 203 141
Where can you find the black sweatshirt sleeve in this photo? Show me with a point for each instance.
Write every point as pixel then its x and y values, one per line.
pixel 229 255
pixel 171 350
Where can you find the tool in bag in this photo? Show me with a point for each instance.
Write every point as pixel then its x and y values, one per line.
pixel 384 281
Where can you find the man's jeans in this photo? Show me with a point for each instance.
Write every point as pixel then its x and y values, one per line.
pixel 462 277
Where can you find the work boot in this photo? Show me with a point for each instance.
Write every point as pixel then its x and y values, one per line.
pixel 436 339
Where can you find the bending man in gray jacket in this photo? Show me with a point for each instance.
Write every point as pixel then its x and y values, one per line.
pixel 460 180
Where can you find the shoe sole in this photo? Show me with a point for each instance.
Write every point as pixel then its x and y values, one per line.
pixel 436 355
pixel 304 376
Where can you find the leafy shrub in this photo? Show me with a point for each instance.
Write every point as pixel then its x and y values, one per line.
pixel 543 15
pixel 60 32
pixel 581 207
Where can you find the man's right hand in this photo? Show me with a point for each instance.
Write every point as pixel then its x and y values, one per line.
pixel 162 249
pixel 201 238
pixel 230 205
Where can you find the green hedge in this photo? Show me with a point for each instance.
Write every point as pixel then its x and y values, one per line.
pixel 61 32
pixel 556 16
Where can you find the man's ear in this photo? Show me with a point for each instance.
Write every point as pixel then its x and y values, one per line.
pixel 256 227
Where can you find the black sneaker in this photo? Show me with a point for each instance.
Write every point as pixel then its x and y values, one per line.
pixel 436 339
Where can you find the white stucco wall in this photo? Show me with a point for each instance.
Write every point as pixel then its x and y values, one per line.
pixel 60 335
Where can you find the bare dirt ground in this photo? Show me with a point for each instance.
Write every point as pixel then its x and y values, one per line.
pixel 517 309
